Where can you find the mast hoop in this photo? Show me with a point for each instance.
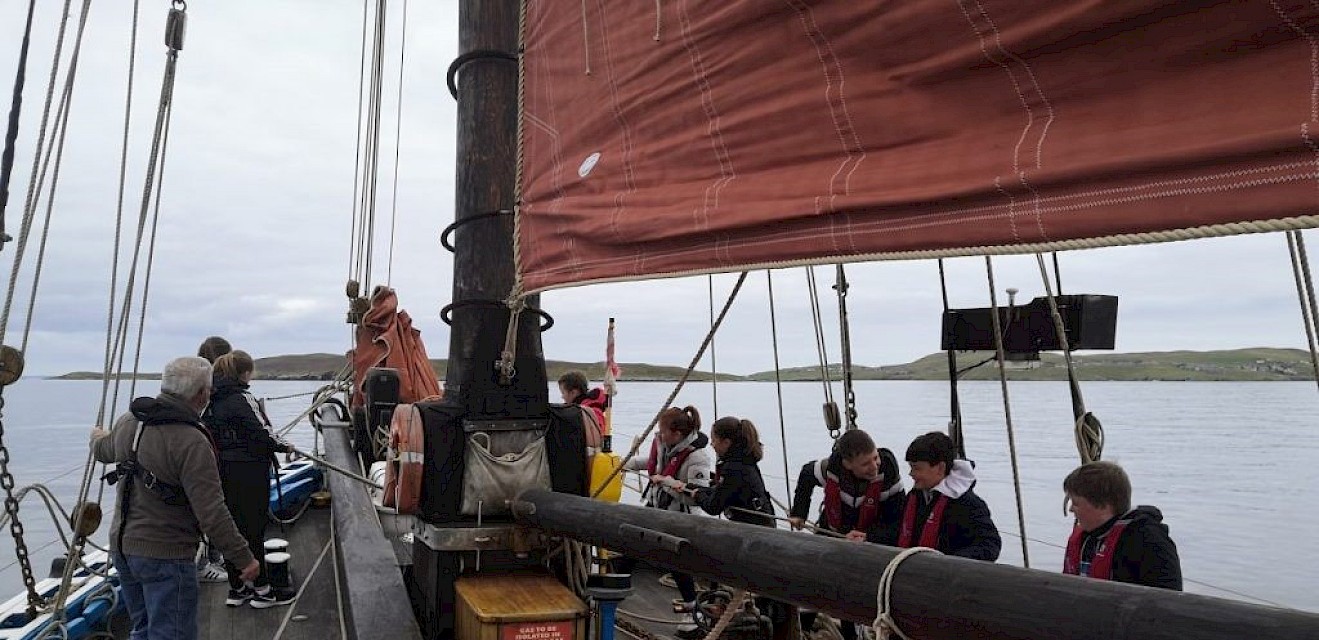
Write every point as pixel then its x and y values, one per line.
pixel 451 77
pixel 446 311
pixel 448 231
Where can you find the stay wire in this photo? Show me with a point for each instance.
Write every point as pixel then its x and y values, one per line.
pixel 398 139
pixel 1007 405
pixel 714 363
pixel 154 165
pixel 354 271
pixel 821 348
pixel 778 378
pixel 53 152
pixel 119 213
pixel 28 211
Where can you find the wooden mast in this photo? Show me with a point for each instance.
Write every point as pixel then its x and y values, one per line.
pixel 933 597
pixel 486 82
pixel 485 182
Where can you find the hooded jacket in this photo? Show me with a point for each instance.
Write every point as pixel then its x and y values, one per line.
pixel 241 431
pixel 884 529
pixel 695 471
pixel 738 483
pixel 966 528
pixel 175 448
pixel 1145 554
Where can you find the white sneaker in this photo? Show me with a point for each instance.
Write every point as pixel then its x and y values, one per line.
pixel 211 572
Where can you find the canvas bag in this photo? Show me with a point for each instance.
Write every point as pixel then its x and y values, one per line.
pixel 491 480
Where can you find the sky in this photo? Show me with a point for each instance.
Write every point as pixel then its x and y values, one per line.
pixel 257 201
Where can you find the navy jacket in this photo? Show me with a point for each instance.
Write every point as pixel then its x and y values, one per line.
pixel 738 484
pixel 240 430
pixel 1145 553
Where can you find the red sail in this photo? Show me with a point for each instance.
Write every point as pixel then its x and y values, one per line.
pixel 687 136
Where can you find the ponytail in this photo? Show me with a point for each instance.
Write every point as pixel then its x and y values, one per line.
pixel 685 420
pixel 741 432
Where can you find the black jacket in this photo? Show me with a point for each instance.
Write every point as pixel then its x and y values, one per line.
pixel 1144 555
pixel 967 531
pixel 885 528
pixel 240 430
pixel 738 485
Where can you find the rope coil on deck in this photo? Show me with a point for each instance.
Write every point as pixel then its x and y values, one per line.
pixel 884 623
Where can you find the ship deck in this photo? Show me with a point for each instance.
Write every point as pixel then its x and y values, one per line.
pixel 649 608
pixel 344 567
pixel 316 613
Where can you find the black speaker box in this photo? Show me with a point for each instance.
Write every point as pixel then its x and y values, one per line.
pixel 1090 322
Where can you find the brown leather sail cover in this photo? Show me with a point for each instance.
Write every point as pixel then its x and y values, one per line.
pixel 688 136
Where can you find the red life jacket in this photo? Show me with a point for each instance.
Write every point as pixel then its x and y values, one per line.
pixel 674 464
pixel 867 503
pixel 1101 566
pixel 595 398
pixel 595 402
pixel 933 523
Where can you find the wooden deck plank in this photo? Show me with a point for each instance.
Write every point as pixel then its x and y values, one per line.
pixel 307 539
pixel 652 600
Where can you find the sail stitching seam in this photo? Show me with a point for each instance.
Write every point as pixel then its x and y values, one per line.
pixel 884 226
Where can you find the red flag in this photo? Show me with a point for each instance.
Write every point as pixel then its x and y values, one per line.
pixel 612 371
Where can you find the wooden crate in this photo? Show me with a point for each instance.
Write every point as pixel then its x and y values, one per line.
pixel 518 607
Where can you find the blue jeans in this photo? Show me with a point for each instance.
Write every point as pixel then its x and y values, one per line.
pixel 162 596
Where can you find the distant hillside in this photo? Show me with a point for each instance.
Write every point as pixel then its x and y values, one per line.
pixel 324 366
pixel 1258 364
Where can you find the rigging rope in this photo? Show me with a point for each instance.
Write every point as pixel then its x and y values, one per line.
pixel 174 30
pixel 845 342
pixel 11 132
pixel 62 127
pixel 832 420
pixel 1089 432
pixel 735 605
pixel 151 259
pixel 288 615
pixel 884 624
pixel 1007 404
pixel 778 379
pixel 34 599
pixel 1304 293
pixel 398 138
pixel 110 343
pixel 32 179
pixel 696 359
pixel 821 349
pixel 370 177
pixel 714 364
pixel 954 403
pixel 41 166
pixel 353 270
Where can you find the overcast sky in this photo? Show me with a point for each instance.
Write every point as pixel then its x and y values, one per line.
pixel 254 234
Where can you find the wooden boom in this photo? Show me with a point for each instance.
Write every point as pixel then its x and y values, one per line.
pixel 933 597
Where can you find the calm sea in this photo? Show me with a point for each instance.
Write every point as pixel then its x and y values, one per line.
pixel 1230 464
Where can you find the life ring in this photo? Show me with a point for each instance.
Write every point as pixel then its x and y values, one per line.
pixel 405 458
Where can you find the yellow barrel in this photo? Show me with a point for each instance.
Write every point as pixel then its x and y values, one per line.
pixel 602 464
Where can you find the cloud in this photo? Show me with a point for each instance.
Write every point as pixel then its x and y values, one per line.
pixel 259 188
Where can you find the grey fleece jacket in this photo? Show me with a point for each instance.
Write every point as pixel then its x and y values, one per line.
pixel 178 450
